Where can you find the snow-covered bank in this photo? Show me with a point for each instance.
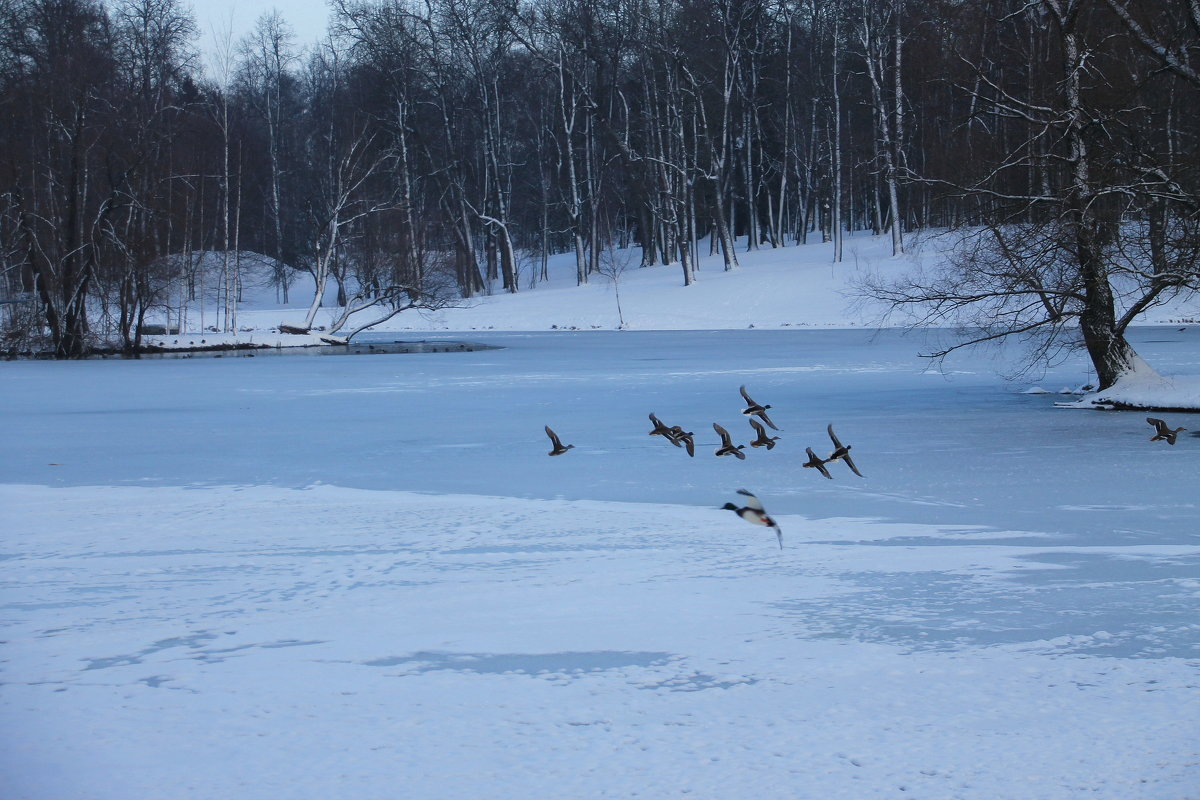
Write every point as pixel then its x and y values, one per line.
pixel 249 339
pixel 332 643
pixel 1144 388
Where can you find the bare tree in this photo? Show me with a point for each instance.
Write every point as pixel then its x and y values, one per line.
pixel 153 49
pixel 345 157
pixel 1053 262
pixel 613 264
pixel 836 77
pixel 717 135
pixel 58 95
pixel 394 296
pixel 223 63
pixel 882 46
pixel 267 55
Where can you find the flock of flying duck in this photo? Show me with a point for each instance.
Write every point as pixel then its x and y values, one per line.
pixel 752 511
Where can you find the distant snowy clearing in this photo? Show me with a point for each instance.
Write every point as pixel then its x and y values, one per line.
pixel 788 287
pixel 260 642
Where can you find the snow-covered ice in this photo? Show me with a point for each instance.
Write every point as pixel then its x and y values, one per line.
pixel 333 642
pixel 361 577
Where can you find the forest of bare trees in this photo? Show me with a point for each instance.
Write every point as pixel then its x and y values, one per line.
pixel 435 148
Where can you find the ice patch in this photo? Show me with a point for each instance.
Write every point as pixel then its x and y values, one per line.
pixel 564 663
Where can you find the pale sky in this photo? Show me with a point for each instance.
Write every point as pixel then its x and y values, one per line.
pixel 308 18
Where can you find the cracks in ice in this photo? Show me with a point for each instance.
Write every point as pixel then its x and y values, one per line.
pixel 194 644
pixel 561 667
pixel 562 664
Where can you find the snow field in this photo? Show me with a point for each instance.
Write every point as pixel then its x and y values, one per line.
pixel 330 642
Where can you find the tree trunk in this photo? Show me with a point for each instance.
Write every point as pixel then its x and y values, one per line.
pixel 835 149
pixel 896 153
pixel 1111 354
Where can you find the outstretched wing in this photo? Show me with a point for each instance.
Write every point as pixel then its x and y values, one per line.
pixel 818 463
pixel 841 452
pixel 837 445
pixel 745 396
pixel 724 434
pixel 751 501
pixel 553 437
pixel 762 432
pixel 689 444
pixel 661 429
pixel 1160 426
pixel 763 415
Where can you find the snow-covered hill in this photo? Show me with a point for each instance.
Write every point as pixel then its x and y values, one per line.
pixel 797 286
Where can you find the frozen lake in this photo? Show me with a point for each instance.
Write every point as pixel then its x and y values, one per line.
pixel 332 577
pixel 958 447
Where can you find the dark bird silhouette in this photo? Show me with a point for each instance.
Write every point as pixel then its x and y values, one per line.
pixel 662 430
pixel 763 440
pixel 841 452
pixel 753 409
pixel 682 437
pixel 674 434
pixel 815 462
pixel 727 447
pixel 1161 431
pixel 754 512
pixel 559 448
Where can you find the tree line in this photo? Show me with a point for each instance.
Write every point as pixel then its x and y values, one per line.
pixel 431 149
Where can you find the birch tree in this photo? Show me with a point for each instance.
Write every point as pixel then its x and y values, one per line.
pixel 835 136
pixel 267 57
pixel 881 47
pixel 344 156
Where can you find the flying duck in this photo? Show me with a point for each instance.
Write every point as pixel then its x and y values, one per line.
pixel 816 463
pixel 753 512
pixel 841 452
pixel 753 409
pixel 1161 431
pixel 763 440
pixel 682 437
pixel 559 448
pixel 662 430
pixel 727 447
